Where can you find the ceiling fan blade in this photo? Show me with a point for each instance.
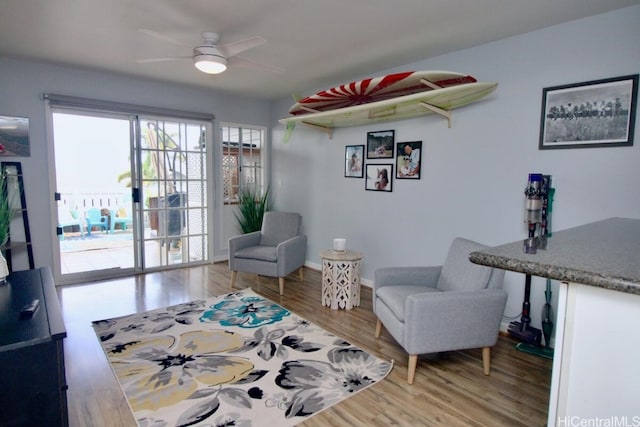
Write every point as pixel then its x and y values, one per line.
pixel 232 49
pixel 238 61
pixel 150 60
pixel 160 36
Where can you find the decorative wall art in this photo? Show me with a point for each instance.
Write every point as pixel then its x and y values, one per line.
pixel 598 113
pixel 379 177
pixel 380 144
pixel 408 159
pixel 353 161
pixel 14 136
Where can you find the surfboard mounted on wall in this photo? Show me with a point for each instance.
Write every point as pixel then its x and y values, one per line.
pixel 433 100
pixel 378 89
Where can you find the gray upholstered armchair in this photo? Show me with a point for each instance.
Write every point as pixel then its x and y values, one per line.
pixel 275 251
pixel 431 309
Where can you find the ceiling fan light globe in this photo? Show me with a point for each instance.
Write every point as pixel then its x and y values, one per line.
pixel 210 64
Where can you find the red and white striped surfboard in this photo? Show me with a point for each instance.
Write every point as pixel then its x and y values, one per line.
pixel 377 89
pixel 440 101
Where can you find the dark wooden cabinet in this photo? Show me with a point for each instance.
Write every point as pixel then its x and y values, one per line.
pixel 32 376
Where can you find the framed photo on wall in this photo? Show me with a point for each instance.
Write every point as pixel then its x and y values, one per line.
pixel 598 113
pixel 14 136
pixel 353 161
pixel 380 144
pixel 408 159
pixel 379 177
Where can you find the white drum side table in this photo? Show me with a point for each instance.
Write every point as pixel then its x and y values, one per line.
pixel 341 279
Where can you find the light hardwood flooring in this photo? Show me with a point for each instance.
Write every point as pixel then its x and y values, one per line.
pixel 449 390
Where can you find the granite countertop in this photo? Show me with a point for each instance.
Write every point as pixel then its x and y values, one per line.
pixel 604 254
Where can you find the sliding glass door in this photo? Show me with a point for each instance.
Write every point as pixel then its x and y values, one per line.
pixel 132 193
pixel 95 209
pixel 172 156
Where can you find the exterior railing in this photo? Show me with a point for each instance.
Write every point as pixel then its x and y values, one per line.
pixel 80 202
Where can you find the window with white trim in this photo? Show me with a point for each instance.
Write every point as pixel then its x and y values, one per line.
pixel 242 160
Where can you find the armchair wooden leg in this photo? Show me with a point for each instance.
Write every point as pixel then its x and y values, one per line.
pixel 413 362
pixel 281 284
pixel 301 273
pixel 378 328
pixel 486 360
pixel 234 274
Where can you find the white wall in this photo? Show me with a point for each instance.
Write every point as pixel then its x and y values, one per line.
pixel 473 175
pixel 21 85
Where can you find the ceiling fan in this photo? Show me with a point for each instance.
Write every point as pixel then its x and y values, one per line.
pixel 213 58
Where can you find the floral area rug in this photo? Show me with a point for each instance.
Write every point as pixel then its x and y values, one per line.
pixel 237 359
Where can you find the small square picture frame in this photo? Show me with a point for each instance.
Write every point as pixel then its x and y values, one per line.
pixel 380 144
pixel 379 177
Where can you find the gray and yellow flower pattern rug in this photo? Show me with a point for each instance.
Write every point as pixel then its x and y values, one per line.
pixel 237 359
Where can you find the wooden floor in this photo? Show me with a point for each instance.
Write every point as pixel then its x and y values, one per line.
pixel 450 388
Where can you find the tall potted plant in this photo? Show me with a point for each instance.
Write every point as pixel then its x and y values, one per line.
pixel 6 211
pixel 251 209
pixel 6 215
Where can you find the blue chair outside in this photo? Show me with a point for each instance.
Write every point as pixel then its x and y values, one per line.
pixel 70 219
pixel 96 219
pixel 123 221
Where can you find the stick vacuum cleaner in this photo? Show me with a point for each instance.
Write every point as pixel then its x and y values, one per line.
pixel 537 208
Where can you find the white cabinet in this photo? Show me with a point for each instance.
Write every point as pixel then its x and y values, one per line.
pixel 596 370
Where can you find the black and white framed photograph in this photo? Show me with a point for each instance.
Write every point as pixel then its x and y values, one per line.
pixel 353 161
pixel 14 136
pixel 408 159
pixel 598 113
pixel 379 177
pixel 380 144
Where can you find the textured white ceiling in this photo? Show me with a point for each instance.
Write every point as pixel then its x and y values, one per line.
pixel 317 42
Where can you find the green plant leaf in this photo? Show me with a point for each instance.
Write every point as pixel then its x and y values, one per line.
pixel 251 209
pixel 7 207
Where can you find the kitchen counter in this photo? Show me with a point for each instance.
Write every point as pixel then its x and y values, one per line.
pixel 605 254
pixel 597 345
